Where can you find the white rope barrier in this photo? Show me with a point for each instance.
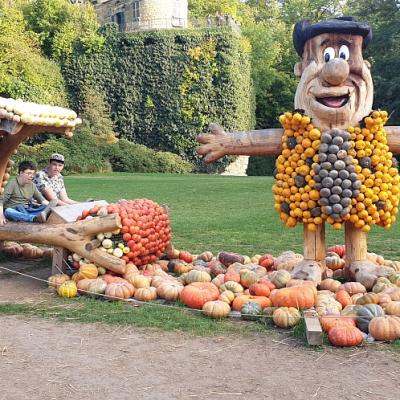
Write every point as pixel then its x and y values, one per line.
pixel 152 303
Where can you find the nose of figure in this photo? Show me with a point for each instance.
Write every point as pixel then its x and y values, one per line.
pixel 335 71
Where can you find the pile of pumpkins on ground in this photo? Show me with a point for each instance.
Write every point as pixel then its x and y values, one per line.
pixel 25 250
pixel 257 287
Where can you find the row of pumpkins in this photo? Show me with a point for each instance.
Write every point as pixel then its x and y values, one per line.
pixel 257 287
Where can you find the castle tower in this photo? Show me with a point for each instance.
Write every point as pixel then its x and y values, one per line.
pixel 136 15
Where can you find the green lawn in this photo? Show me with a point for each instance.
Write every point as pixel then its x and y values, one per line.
pixel 218 212
pixel 207 213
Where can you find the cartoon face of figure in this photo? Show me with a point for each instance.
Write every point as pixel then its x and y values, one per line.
pixel 335 88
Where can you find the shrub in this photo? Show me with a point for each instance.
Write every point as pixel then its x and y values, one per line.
pixel 126 156
pixel 261 166
pixel 86 153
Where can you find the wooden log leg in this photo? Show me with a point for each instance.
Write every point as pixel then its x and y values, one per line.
pixel 356 244
pixel 313 265
pixel 314 244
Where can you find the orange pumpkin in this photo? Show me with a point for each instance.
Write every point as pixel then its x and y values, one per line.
pixel 392 308
pixel 339 249
pixel 232 275
pixel 286 317
pixel 266 261
pixel 197 276
pixel 384 298
pixel 185 256
pixel 76 277
pixel 119 290
pixel 330 284
pixel 169 290
pixel 385 328
pixel 156 281
pixel 268 283
pixel 368 298
pixel 259 289
pixel 140 281
pixel 57 280
pixel 247 278
pixel 353 287
pixel 83 284
pixel 216 309
pixel 330 321
pixel 334 262
pixel 196 294
pixel 394 293
pixel 343 297
pixel 108 278
pixel 151 267
pixel 146 294
pixel 242 299
pixel 130 272
pixel 345 336
pixel 219 280
pixel 297 297
pixel 88 271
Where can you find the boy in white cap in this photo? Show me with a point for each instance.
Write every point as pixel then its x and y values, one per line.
pixel 50 182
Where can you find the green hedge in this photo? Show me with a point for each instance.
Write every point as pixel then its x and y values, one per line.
pixel 261 166
pixel 164 87
pixel 85 153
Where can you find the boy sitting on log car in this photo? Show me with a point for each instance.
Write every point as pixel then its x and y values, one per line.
pixel 16 203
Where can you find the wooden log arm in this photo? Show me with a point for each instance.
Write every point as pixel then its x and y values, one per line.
pixel 264 142
pixel 74 236
pixel 217 143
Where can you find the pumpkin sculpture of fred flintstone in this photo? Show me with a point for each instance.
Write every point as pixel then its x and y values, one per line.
pixel 335 162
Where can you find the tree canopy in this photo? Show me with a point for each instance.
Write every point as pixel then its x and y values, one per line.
pixel 24 72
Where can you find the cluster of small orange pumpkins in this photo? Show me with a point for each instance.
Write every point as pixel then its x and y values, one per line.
pixel 145 231
pixel 336 176
pixel 257 287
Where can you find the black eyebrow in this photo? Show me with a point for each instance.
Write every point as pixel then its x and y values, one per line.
pixel 343 41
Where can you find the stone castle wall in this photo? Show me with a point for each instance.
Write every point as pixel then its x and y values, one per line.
pixel 153 14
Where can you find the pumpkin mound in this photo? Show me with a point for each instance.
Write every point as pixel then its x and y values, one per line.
pixel 145 229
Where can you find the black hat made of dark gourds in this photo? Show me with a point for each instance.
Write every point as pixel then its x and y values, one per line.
pixel 304 30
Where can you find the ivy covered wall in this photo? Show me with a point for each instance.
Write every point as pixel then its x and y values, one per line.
pixel 163 88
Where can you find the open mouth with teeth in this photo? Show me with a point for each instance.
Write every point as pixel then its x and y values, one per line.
pixel 333 102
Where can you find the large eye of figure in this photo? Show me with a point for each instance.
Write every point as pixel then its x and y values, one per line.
pixel 344 52
pixel 329 54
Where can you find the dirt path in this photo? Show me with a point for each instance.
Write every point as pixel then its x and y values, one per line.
pixel 45 359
